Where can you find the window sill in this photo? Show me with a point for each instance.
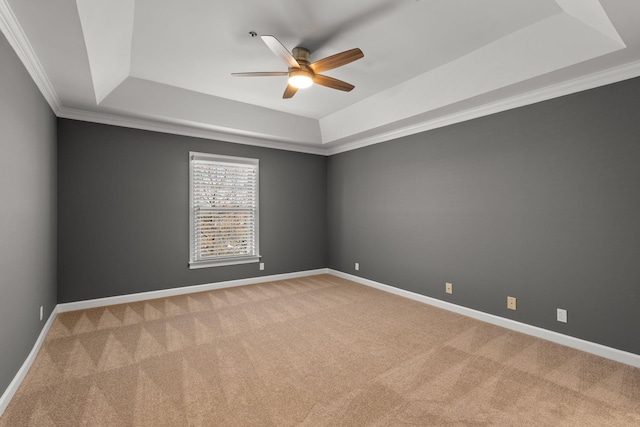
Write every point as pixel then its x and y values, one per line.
pixel 222 262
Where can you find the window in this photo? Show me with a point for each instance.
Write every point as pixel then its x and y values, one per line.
pixel 224 210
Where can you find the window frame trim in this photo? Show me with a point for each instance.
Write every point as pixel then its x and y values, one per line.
pixel 245 259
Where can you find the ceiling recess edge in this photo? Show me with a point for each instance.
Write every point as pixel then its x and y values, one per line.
pixel 16 37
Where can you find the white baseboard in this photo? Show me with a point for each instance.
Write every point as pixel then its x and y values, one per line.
pixel 17 380
pixel 164 293
pixel 566 340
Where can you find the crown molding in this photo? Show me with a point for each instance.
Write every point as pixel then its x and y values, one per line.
pixel 579 84
pixel 591 81
pixel 12 30
pixel 192 130
pixel 18 40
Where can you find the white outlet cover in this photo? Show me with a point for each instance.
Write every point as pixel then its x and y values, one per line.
pixel 562 315
pixel 262 266
pixel 357 266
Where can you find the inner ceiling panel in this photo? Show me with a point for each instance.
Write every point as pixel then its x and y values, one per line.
pixel 198 52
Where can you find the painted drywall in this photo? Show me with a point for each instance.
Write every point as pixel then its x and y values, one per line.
pixel 27 213
pixel 123 202
pixel 541 203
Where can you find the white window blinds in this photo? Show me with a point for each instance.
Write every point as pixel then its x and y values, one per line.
pixel 224 210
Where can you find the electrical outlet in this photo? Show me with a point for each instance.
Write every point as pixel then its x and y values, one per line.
pixel 357 266
pixel 561 315
pixel 511 303
pixel 448 288
pixel 262 266
pixel 41 312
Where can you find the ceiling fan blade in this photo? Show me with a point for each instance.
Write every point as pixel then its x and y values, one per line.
pixel 337 60
pixel 332 83
pixel 289 92
pixel 261 74
pixel 280 51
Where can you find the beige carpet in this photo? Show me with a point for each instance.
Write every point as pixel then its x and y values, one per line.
pixel 314 351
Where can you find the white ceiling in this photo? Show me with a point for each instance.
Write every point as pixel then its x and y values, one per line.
pixel 166 64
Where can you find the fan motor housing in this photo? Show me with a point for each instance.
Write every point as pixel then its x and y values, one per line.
pixel 301 55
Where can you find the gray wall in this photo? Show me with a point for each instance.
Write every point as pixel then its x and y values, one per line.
pixel 124 203
pixel 27 213
pixel 541 203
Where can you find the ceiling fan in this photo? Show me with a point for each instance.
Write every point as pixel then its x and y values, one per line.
pixel 301 72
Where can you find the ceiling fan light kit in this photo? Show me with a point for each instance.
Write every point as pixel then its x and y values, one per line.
pixel 300 79
pixel 303 74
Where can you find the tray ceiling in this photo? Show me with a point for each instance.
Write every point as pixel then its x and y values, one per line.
pixel 167 64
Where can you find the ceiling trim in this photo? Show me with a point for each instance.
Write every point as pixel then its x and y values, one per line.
pixel 18 40
pixel 591 81
pixel 12 30
pixel 195 131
